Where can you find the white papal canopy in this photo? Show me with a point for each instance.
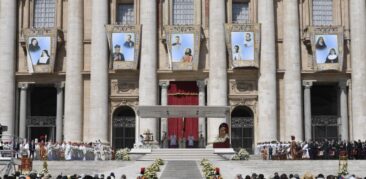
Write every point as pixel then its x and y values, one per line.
pixel 173 111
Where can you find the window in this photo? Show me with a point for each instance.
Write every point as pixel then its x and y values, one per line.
pixel 240 12
pixel 44 13
pixel 183 12
pixel 322 12
pixel 125 14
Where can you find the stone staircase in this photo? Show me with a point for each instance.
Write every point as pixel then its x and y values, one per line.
pixel 181 154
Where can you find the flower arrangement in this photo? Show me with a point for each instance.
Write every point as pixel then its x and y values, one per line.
pixel 150 172
pixel 122 154
pixel 241 155
pixel 209 170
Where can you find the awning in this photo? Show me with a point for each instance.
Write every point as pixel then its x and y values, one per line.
pixel 172 111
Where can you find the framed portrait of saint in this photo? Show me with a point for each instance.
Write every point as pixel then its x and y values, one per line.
pixel 327 46
pixel 41 50
pixel 124 42
pixel 183 44
pixel 242 41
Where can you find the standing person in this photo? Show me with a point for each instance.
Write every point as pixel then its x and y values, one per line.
pixel 201 141
pixel 173 141
pixel 270 151
pixel 32 148
pixel 190 141
pixel 264 153
pixel 293 148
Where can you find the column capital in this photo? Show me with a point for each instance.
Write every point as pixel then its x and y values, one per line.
pixel 23 85
pixel 307 83
pixel 164 83
pixel 201 84
pixel 60 85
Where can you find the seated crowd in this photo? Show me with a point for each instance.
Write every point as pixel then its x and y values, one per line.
pixel 307 175
pixel 34 175
pixel 313 150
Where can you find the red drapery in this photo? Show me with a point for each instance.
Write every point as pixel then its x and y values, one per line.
pixel 183 93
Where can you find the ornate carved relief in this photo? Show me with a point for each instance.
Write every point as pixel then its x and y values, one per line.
pixel 123 88
pixel 242 87
pixel 41 121
pixel 250 102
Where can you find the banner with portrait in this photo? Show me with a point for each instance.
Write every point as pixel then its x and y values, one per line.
pixel 183 44
pixel 242 42
pixel 41 47
pixel 327 47
pixel 124 43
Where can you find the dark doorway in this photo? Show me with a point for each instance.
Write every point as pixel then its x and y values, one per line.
pixel 42 133
pixel 123 127
pixel 43 101
pixel 325 111
pixel 242 128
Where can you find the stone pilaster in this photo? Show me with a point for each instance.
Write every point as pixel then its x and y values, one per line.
pixel 267 89
pixel 98 123
pixel 292 77
pixel 59 111
pixel 358 46
pixel 148 85
pixel 8 40
pixel 217 84
pixel 164 101
pixel 74 84
pixel 307 109
pixel 201 102
pixel 343 128
pixel 23 109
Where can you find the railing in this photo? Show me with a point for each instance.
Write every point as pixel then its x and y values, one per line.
pixel 41 120
pixel 324 120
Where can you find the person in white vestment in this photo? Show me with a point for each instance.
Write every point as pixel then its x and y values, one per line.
pixel 68 153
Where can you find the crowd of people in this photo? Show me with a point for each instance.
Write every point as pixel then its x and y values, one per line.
pixel 313 150
pixel 58 151
pixel 34 175
pixel 307 175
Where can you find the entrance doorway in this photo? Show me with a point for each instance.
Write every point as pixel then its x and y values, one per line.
pixel 41 122
pixel 325 112
pixel 183 93
pixel 242 128
pixel 42 133
pixel 123 132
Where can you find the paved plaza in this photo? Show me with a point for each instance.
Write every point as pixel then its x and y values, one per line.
pixel 191 168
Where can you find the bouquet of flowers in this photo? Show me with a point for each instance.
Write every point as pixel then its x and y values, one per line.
pixel 122 154
pixel 241 155
pixel 208 169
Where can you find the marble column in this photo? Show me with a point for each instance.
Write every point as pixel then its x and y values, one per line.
pixel 217 84
pixel 8 44
pixel 59 110
pixel 201 102
pixel 148 85
pixel 23 110
pixel 98 122
pixel 292 77
pixel 358 46
pixel 343 128
pixel 267 87
pixel 307 109
pixel 164 101
pixel 73 129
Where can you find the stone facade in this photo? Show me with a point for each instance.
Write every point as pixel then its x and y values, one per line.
pixel 277 89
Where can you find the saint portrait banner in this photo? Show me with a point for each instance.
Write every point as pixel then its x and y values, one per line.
pixel 183 44
pixel 327 47
pixel 124 43
pixel 242 42
pixel 41 47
